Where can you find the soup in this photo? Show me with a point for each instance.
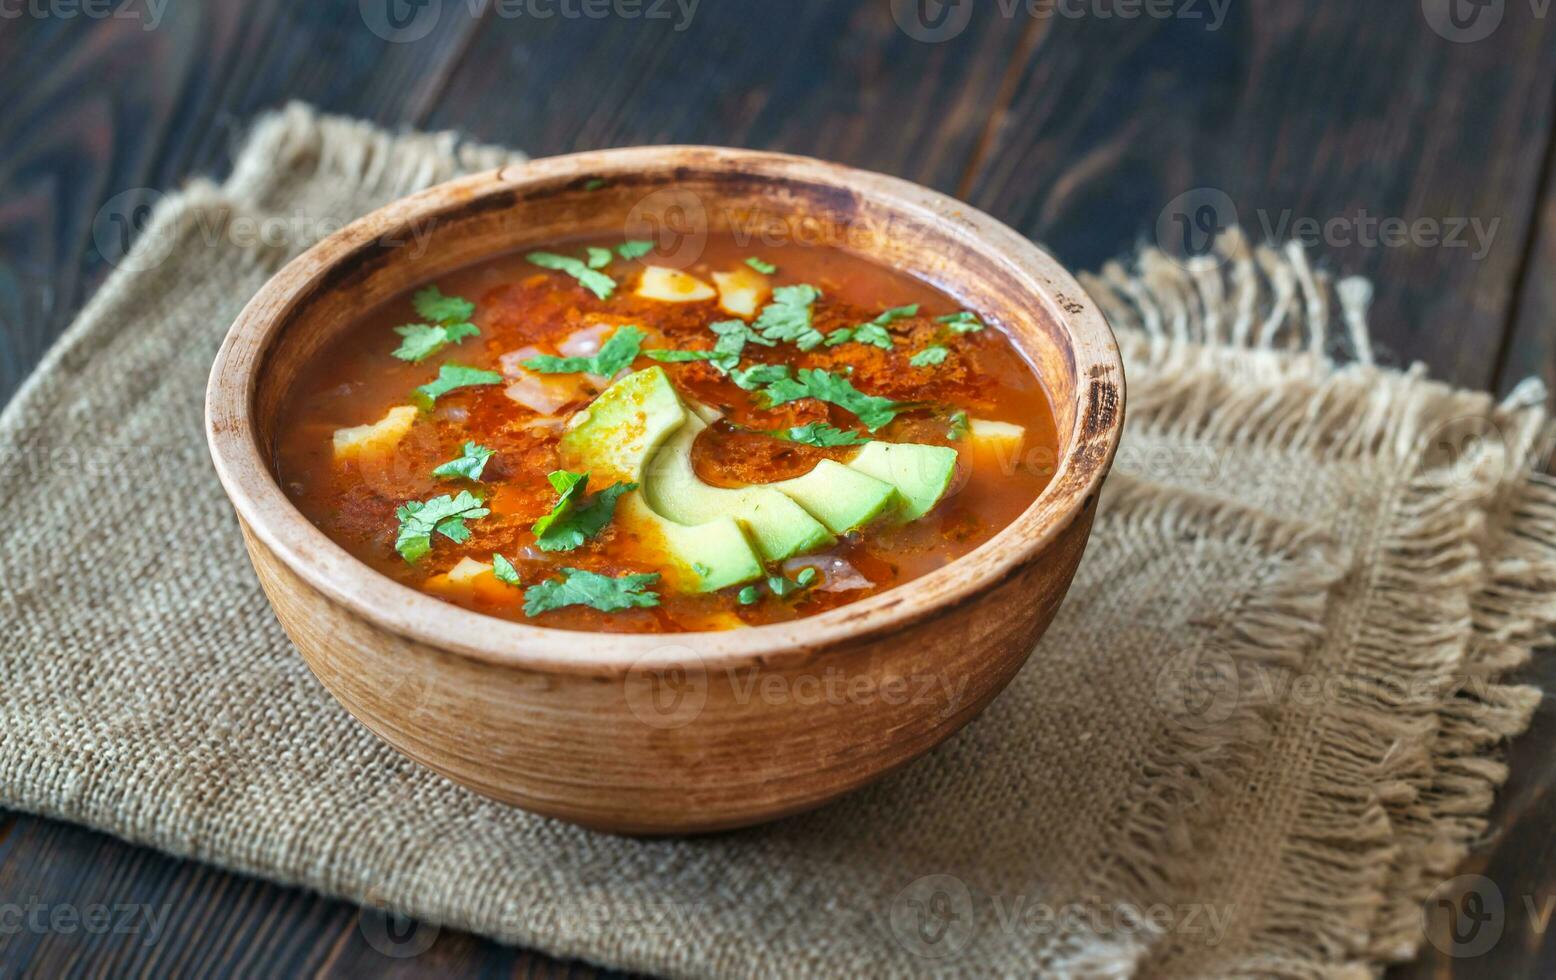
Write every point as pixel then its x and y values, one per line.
pixel 579 437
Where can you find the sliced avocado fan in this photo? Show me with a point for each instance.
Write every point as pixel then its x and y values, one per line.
pixel 639 430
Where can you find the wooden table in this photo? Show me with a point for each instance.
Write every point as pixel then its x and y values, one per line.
pixel 1075 127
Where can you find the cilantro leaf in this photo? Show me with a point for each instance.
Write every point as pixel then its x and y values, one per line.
pixel 434 306
pixel 423 340
pixel 599 258
pixel 873 410
pixel 593 280
pixel 750 595
pixel 616 353
pixel 571 522
pixel 469 465
pixel 634 249
pixel 581 588
pixel 781 586
pixel 504 570
pixel 570 487
pixel 724 362
pixel 872 333
pixel 788 317
pixel 930 356
pixel 758 375
pixel 959 426
pixel 450 323
pixel 444 515
pixel 822 435
pixel 451 376
pixel 765 268
pixel 963 322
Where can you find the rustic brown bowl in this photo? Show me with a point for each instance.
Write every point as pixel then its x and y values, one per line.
pixel 668 734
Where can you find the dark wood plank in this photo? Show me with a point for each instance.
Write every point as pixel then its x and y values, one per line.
pixel 1530 348
pixel 833 79
pixel 168 917
pixel 1070 129
pixel 101 111
pixel 1320 111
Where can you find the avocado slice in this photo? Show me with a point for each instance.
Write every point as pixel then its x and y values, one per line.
pixel 779 527
pixel 921 473
pixel 842 498
pixel 613 440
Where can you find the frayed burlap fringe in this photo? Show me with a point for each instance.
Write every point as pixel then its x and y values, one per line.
pixel 1253 352
pixel 1255 348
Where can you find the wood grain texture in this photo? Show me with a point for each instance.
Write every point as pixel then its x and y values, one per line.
pixel 1320 111
pixel 1078 131
pixel 101 112
pixel 1529 348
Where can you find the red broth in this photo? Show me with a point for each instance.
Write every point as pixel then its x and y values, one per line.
pixel 356 497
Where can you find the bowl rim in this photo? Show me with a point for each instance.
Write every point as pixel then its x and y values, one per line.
pixel 327 567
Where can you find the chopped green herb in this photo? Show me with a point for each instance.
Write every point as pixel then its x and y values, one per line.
pixel 443 515
pixel 634 249
pixel 504 570
pixel 963 322
pixel 873 410
pixel 930 356
pixel 873 333
pixel 434 306
pixel 822 435
pixel 788 317
pixel 702 570
pixel 594 185
pixel 469 465
pixel 864 333
pixel 724 362
pixel 765 268
pixel 449 318
pixel 781 586
pixel 758 375
pixel 581 588
pixel 959 426
pixel 750 595
pixel 450 377
pixel 593 280
pixel 616 353
pixel 599 258
pixel 571 522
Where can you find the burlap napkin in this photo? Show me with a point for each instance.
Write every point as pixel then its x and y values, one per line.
pixel 1264 725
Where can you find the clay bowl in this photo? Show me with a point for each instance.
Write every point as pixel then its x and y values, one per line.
pixel 668 734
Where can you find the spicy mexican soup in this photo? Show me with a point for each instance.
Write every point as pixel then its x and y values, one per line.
pixel 580 437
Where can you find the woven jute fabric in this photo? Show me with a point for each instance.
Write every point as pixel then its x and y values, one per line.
pixel 1263 728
